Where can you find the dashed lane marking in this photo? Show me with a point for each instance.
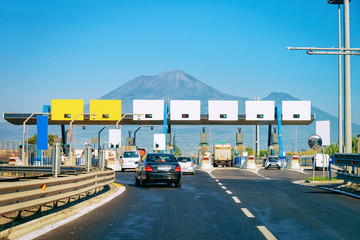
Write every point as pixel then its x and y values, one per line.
pixel 217 180
pixel 247 213
pixel 267 234
pixel 223 187
pixel 237 200
pixel 220 183
pixel 228 192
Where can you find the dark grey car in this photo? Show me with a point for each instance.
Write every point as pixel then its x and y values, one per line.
pixel 158 167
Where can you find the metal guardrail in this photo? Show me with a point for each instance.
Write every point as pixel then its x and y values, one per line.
pixel 348 177
pixel 38 169
pixel 344 159
pixel 18 196
pixel 348 160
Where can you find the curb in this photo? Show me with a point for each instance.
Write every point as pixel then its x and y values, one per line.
pixel 42 225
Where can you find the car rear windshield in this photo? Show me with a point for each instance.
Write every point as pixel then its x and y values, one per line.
pixel 131 154
pixel 273 159
pixel 184 159
pixel 160 158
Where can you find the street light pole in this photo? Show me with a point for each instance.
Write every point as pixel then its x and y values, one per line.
pixel 347 86
pixel 340 114
pixel 93 114
pixel 23 142
pixel 126 114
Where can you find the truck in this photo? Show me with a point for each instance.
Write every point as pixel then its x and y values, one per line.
pixel 222 154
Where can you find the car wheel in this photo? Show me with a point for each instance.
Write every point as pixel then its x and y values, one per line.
pixel 122 169
pixel 178 184
pixel 193 173
pixel 169 184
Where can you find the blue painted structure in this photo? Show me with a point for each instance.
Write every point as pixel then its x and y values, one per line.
pixel 278 114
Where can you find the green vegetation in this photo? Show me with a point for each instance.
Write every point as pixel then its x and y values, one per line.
pixel 51 137
pixel 321 179
pixel 177 151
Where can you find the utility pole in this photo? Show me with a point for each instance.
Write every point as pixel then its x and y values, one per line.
pixel 347 51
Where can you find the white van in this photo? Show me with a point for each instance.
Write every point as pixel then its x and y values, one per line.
pixel 130 160
pixel 320 160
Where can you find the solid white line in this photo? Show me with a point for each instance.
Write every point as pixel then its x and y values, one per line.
pixel 247 213
pixel 80 213
pixel 223 187
pixel 236 199
pixel 267 234
pixel 228 192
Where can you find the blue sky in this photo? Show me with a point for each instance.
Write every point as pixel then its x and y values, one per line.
pixel 85 49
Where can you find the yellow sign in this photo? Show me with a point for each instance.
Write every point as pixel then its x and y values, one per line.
pixel 107 110
pixel 67 109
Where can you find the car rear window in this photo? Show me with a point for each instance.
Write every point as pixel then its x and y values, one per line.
pixel 131 154
pixel 160 158
pixel 273 159
pixel 184 159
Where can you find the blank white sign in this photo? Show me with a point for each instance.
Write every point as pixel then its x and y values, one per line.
pixel 160 140
pixel 115 137
pixel 296 110
pixel 260 110
pixel 151 109
pixel 184 110
pixel 223 110
pixel 323 130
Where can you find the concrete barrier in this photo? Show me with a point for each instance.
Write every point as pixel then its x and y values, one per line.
pixel 251 162
pixel 295 162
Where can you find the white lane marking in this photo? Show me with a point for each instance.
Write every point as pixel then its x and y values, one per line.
pixel 220 183
pixel 267 234
pixel 256 172
pixel 80 213
pixel 223 187
pixel 236 199
pixel 228 192
pixel 247 213
pixel 217 180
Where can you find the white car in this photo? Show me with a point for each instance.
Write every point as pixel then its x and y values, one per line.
pixel 187 164
pixel 130 160
pixel 273 161
pixel 319 161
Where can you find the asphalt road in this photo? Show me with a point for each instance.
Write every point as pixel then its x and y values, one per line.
pixel 228 203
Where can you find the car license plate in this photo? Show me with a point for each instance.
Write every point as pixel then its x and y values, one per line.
pixel 164 168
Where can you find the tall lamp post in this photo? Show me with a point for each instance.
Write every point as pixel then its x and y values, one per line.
pixel 90 114
pixel 151 126
pixel 340 114
pixel 23 142
pixel 127 114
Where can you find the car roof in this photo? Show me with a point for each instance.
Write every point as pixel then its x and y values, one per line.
pixel 167 154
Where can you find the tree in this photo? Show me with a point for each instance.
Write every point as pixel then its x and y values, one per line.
pixel 51 137
pixel 177 151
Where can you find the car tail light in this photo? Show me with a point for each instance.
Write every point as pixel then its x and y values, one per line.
pixel 177 169
pixel 148 168
pixel 122 161
pixel 192 164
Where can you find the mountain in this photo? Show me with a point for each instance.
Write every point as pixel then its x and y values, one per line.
pixel 179 85
pixel 174 85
